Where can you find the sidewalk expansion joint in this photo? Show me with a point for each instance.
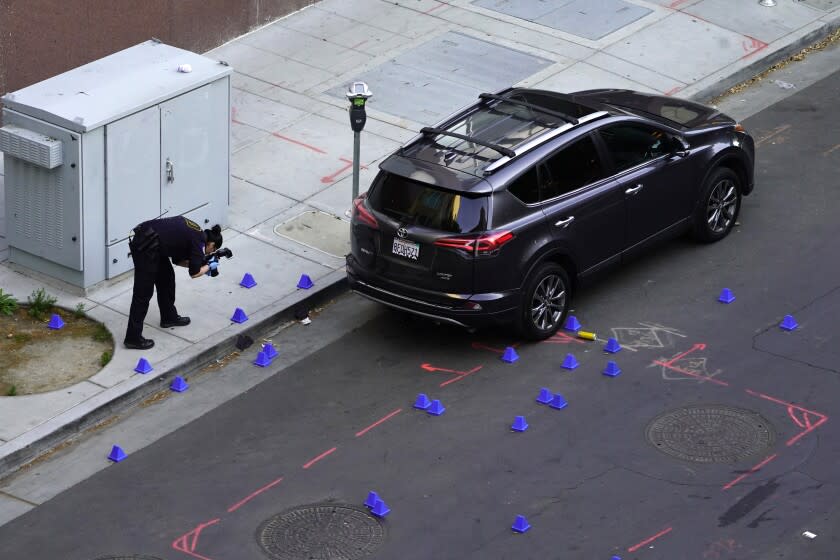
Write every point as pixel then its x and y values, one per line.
pixel 18 499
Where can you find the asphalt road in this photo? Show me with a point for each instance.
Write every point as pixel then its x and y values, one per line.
pixel 747 410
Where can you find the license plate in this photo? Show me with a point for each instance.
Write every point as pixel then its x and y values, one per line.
pixel 407 249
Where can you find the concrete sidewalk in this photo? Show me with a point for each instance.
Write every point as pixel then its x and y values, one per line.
pixel 292 147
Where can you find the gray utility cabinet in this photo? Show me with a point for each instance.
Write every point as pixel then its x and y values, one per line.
pixel 93 152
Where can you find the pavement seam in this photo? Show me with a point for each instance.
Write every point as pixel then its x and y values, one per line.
pixel 18 499
pixel 265 189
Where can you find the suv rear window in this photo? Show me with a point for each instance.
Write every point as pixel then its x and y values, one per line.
pixel 418 204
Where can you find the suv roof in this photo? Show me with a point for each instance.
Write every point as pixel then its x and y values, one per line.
pixel 493 132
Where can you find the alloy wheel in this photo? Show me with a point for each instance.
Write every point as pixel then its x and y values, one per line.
pixel 722 205
pixel 548 302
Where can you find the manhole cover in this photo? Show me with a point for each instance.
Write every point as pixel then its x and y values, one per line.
pixel 321 532
pixel 711 434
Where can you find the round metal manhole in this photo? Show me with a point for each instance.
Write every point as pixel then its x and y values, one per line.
pixel 711 434
pixel 321 532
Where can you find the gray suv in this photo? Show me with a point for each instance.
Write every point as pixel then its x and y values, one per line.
pixel 496 215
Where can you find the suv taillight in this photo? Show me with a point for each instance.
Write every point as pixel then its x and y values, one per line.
pixel 479 245
pixel 362 214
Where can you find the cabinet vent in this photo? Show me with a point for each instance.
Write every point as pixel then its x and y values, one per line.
pixel 38 209
pixel 30 146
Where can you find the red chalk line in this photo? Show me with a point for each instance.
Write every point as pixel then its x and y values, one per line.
pixel 319 457
pixel 378 422
pixel 253 495
pixel 751 471
pixel 181 545
pixel 806 416
pixel 636 547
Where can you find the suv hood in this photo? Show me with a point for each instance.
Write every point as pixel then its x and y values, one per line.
pixel 679 113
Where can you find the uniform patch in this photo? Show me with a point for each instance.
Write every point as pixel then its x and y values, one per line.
pixel 191 224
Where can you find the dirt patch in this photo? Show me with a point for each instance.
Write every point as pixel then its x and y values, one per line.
pixel 36 359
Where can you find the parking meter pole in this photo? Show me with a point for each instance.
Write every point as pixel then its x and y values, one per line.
pixel 356 138
pixel 358 93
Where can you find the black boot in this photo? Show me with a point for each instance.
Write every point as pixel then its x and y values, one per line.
pixel 139 344
pixel 178 321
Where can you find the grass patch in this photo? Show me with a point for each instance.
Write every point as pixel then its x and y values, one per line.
pixel 40 304
pixel 21 338
pixel 12 391
pixel 79 311
pixel 104 358
pixel 8 303
pixel 102 334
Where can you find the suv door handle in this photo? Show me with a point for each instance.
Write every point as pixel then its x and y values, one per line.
pixel 566 222
pixel 634 190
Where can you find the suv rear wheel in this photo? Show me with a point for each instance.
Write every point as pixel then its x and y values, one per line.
pixel 545 302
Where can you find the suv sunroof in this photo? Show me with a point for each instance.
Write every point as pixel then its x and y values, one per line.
pixel 494 128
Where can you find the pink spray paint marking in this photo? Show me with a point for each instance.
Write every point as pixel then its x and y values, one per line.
pixel 670 365
pixel 808 421
pixel 649 540
pixel 188 542
pixel 360 433
pixel 253 495
pixel 298 142
pixel 319 457
pixel 753 470
pixel 459 374
pixel 332 176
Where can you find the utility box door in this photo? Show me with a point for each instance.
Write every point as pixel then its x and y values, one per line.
pixel 194 148
pixel 132 189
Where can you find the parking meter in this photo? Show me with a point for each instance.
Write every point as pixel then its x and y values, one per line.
pixel 358 94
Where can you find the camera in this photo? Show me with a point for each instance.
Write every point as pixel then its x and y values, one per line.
pixel 215 256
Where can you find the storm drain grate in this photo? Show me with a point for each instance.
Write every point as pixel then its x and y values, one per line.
pixel 711 434
pixel 321 532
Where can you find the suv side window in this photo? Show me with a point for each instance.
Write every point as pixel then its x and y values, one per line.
pixel 631 144
pixel 526 187
pixel 573 167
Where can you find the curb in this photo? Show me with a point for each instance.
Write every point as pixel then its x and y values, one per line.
pixel 75 423
pixel 739 76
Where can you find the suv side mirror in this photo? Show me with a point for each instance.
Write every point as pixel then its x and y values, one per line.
pixel 679 147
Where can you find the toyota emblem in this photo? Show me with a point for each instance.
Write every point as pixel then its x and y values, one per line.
pixel 402 232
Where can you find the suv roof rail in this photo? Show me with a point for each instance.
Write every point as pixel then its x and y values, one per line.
pixel 541 139
pixel 507 152
pixel 522 103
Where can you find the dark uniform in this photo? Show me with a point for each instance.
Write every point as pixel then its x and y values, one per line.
pixel 154 243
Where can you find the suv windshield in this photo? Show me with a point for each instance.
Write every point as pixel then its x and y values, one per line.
pixel 418 204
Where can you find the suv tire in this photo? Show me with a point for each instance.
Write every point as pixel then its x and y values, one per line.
pixel 545 302
pixel 718 207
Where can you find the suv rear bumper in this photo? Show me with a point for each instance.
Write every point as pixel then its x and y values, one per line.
pixel 497 308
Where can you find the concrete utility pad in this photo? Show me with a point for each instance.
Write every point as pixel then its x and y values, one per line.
pixel 319 230
pixel 826 5
pixel 430 81
pixel 754 20
pixel 705 47
pixel 591 19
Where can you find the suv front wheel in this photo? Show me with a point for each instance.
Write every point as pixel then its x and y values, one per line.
pixel 545 302
pixel 718 207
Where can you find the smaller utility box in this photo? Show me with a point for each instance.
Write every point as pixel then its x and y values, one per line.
pixel 91 153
